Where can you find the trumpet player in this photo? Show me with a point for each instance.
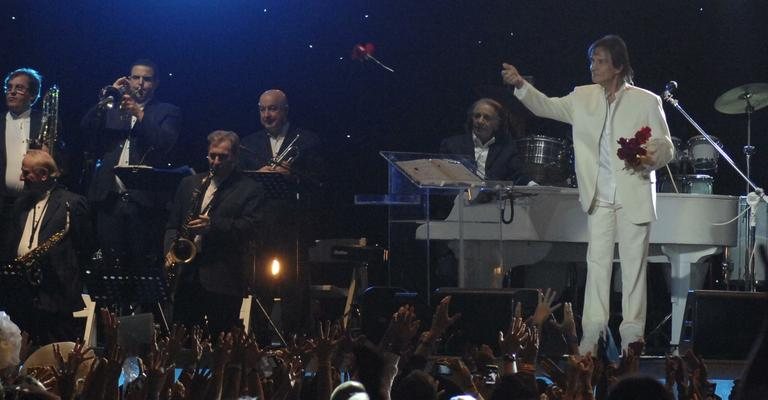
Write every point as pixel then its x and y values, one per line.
pixel 43 306
pixel 268 150
pixel 220 212
pixel 128 127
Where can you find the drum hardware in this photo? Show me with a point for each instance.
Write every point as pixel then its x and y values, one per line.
pixel 688 184
pixel 547 160
pixel 753 96
pixel 744 99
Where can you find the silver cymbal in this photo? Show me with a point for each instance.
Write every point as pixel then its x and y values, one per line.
pixel 734 101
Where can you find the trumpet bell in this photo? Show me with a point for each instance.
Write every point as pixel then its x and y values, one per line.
pixel 110 97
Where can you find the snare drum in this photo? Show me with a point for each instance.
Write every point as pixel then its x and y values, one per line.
pixel 693 184
pixel 702 154
pixel 546 160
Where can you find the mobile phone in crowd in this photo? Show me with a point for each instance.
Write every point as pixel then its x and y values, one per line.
pixel 442 369
pixel 490 373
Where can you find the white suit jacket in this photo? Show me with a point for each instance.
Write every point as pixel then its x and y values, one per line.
pixel 586 109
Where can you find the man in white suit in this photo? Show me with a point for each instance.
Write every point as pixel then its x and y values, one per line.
pixel 620 198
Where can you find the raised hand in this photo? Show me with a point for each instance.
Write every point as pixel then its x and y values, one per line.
pixel 326 343
pixel 544 308
pixel 568 328
pixel 403 327
pixel 442 320
pixel 512 341
pixel 511 76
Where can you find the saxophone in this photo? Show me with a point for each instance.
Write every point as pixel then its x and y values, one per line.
pixel 49 129
pixel 29 263
pixel 183 249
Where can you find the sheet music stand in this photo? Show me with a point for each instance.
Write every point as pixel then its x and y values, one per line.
pixel 120 286
pixel 413 179
pixel 277 186
pixel 144 177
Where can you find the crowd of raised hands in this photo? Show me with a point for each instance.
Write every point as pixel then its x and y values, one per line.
pixel 339 364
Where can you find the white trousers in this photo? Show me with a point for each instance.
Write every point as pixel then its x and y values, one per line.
pixel 606 223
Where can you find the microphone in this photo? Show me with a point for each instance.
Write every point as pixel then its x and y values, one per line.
pixel 669 88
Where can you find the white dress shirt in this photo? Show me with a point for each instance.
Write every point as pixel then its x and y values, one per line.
pixel 125 158
pixel 16 146
pixel 606 179
pixel 276 142
pixel 33 225
pixel 481 153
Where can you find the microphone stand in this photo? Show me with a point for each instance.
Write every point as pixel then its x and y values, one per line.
pixel 753 197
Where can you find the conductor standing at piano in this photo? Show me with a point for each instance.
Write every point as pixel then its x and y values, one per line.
pixel 618 195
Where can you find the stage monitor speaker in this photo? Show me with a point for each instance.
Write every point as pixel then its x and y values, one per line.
pixel 484 312
pixel 722 325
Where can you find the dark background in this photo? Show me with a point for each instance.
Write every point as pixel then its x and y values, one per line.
pixel 216 57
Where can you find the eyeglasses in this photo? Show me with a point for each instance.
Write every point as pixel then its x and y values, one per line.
pixel 17 88
pixel 222 157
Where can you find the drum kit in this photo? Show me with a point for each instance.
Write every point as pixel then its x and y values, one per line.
pixel 695 163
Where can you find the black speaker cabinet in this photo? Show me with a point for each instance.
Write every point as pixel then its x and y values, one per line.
pixel 722 324
pixel 484 312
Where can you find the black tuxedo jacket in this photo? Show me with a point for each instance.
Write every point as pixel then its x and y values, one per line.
pixel 61 286
pixel 308 164
pixel 151 142
pixel 34 129
pixel 223 264
pixel 503 162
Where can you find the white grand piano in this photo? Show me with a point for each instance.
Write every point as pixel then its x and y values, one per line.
pixel 549 225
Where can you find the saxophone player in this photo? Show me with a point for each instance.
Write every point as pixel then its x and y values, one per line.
pixel 45 209
pixel 220 215
pixel 133 128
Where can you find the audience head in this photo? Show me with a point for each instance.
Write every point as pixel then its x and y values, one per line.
pixel 418 385
pixel 639 387
pixel 350 390
pixel 22 89
pixel 512 387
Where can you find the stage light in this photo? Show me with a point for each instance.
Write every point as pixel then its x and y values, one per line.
pixel 275 267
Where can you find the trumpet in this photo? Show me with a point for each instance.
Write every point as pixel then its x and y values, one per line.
pixel 286 156
pixel 110 96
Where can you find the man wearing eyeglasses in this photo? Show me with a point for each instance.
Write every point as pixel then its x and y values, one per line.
pixel 224 220
pixel 19 127
pixel 136 130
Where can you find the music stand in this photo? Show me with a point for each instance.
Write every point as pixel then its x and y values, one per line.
pixel 277 186
pixel 144 177
pixel 119 286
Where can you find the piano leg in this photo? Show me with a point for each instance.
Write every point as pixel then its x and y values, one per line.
pixel 683 279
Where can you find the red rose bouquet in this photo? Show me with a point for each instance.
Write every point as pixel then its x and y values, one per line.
pixel 632 150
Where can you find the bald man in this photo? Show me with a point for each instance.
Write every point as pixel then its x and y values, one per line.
pixel 264 146
pixel 45 309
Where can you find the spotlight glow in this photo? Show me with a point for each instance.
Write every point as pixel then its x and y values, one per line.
pixel 275 267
